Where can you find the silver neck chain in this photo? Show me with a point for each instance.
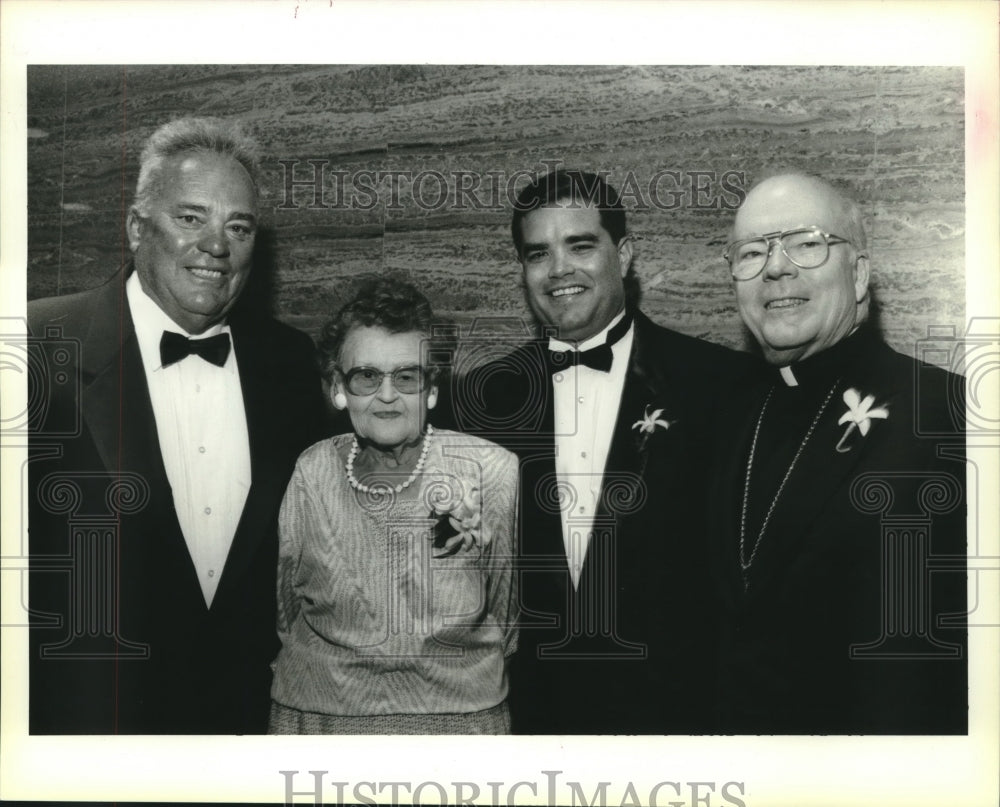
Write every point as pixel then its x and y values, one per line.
pixel 745 562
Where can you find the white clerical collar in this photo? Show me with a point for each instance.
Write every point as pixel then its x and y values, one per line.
pixel 597 339
pixel 788 376
pixel 810 365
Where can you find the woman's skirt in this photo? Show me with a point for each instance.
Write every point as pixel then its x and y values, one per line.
pixel 286 720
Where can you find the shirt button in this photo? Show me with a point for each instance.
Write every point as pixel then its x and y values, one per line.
pixel 201 449
pixel 197 387
pixel 558 377
pixel 208 511
pixel 211 572
pixel 580 399
pixel 583 509
pixel 583 454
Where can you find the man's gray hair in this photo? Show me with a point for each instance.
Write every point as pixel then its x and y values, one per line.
pixel 192 135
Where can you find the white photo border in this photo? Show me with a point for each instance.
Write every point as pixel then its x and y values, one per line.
pixel 796 771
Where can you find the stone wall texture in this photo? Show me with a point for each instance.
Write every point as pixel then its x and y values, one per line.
pixel 406 171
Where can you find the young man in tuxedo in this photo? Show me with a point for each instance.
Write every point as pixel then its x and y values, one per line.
pixel 839 520
pixel 609 415
pixel 152 515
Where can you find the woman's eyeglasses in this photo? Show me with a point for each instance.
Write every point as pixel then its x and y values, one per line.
pixel 368 380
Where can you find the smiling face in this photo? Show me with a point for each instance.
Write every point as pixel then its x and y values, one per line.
pixel 194 243
pixel 573 272
pixel 794 313
pixel 387 418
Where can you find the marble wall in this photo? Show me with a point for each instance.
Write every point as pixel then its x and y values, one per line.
pixel 681 142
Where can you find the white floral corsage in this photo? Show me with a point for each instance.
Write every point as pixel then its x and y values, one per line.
pixel 859 415
pixel 457 509
pixel 649 423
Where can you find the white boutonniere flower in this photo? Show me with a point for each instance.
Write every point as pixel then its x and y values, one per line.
pixel 650 422
pixel 457 507
pixel 859 415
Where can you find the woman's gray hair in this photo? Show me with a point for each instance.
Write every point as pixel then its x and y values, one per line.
pixel 393 305
pixel 192 135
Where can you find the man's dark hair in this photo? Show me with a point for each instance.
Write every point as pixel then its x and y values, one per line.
pixel 576 188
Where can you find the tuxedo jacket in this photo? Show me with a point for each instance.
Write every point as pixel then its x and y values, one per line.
pixel 850 617
pixel 121 638
pixel 625 653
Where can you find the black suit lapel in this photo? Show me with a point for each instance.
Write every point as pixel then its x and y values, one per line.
pixel 643 393
pixel 256 366
pixel 106 375
pixel 116 404
pixel 539 483
pixel 545 571
pixel 622 481
pixel 119 416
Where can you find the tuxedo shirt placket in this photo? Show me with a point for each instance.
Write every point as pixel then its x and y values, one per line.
pixel 203 437
pixel 586 404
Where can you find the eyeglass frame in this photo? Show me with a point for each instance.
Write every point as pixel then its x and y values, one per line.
pixel 770 239
pixel 347 376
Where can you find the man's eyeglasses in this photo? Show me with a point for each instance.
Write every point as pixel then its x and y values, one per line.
pixel 368 380
pixel 806 247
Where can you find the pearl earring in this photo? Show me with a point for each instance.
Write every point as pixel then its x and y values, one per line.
pixel 340 400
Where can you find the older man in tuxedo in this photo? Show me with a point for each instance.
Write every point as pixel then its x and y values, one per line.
pixel 171 424
pixel 608 413
pixel 838 509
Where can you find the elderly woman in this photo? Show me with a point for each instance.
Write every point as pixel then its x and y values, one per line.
pixel 396 601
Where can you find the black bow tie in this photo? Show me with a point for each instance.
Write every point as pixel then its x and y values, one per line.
pixel 174 347
pixel 597 358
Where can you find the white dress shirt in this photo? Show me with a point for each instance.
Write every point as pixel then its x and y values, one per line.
pixel 586 403
pixel 202 430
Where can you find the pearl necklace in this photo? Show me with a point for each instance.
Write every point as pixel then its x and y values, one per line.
pixel 382 488
pixel 745 563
